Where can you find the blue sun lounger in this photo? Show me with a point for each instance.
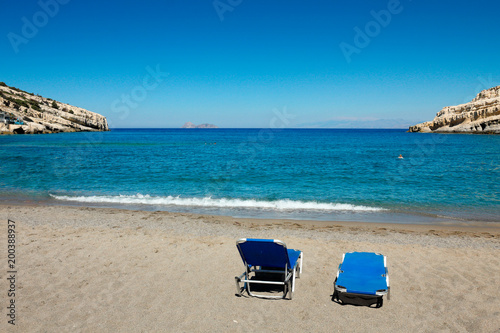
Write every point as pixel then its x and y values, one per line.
pixel 265 258
pixel 363 274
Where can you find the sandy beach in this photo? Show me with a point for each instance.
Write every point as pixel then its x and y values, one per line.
pixel 108 270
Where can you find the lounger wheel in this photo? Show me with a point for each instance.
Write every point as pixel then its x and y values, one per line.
pixel 240 292
pixel 335 296
pixel 289 289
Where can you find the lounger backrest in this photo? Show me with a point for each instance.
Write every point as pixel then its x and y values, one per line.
pixel 263 252
pixel 364 263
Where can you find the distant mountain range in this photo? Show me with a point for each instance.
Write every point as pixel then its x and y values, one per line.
pixel 191 125
pixel 359 123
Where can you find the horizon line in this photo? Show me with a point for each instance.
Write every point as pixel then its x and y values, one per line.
pixel 285 128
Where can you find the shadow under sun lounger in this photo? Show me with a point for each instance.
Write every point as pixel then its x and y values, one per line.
pixel 269 267
pixel 362 279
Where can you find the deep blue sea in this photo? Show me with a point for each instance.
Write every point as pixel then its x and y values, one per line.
pixel 330 174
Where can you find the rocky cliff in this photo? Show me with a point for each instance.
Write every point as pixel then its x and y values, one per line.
pixel 191 125
pixel 33 114
pixel 481 115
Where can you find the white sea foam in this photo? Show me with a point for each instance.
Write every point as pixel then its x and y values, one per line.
pixel 208 202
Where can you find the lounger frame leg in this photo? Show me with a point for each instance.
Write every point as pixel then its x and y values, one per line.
pixel 288 283
pixel 291 289
pixel 298 268
pixel 296 273
pixel 237 279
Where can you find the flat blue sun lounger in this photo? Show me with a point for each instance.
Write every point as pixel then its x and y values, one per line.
pixel 264 258
pixel 363 274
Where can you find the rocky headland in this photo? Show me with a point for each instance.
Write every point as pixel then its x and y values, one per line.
pixel 191 125
pixel 480 116
pixel 22 112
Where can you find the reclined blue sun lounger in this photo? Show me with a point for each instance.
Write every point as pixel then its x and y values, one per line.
pixel 363 274
pixel 265 257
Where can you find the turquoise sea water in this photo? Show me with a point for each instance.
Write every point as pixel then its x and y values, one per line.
pixel 329 174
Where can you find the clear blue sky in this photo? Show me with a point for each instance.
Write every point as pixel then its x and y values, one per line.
pixel 231 62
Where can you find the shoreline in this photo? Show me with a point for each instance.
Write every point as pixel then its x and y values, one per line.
pixel 385 216
pixel 475 229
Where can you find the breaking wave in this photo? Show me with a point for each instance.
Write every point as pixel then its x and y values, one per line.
pixel 209 202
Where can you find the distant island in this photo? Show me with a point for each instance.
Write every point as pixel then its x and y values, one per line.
pixel 191 125
pixel 480 116
pixel 22 112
